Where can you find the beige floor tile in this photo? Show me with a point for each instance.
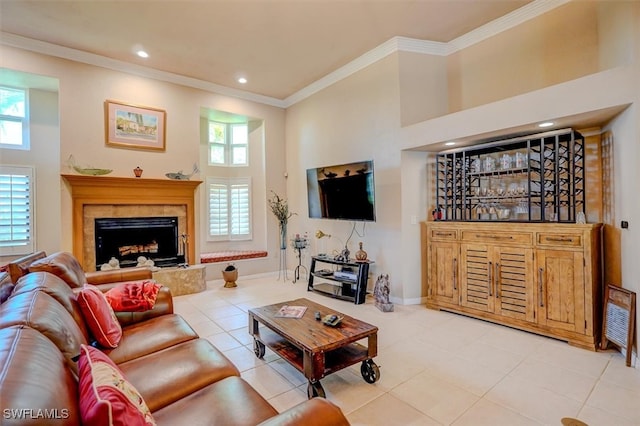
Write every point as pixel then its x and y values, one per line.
pixel 223 341
pixel 555 379
pixel 616 400
pixel 512 340
pixel 467 374
pixel 233 322
pixel 348 390
pixel 219 312
pixel 267 381
pixel 243 358
pixel 434 397
pixel 206 328
pixel 288 399
pixel 435 367
pixel 387 410
pixel 533 402
pixel 487 413
pixel 618 374
pixel 242 335
pixel 572 358
pixel 492 357
pixel 597 417
pixel 288 372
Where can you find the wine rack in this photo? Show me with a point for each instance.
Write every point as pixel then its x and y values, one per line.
pixel 532 178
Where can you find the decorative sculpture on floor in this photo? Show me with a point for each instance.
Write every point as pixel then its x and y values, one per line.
pixel 381 293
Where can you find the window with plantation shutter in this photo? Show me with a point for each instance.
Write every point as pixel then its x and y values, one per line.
pixel 16 210
pixel 229 208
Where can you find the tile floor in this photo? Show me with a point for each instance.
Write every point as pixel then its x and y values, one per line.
pixel 436 368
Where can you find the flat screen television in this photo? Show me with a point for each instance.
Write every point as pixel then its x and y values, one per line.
pixel 342 191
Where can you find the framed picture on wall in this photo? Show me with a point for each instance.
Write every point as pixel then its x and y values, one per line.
pixel 134 126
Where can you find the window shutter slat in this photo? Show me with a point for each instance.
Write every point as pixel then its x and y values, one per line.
pixel 16 210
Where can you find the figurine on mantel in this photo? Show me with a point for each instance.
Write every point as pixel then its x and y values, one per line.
pixel 181 176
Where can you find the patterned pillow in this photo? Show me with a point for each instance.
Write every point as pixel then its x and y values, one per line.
pixel 106 397
pixel 99 316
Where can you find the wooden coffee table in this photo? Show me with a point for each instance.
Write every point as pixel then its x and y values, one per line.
pixel 313 348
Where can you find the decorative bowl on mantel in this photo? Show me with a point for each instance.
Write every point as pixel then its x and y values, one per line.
pixel 92 171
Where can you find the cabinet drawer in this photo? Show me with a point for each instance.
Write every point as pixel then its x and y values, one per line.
pixel 497 237
pixel 557 239
pixel 443 234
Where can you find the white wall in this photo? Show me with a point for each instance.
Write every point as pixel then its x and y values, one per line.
pixel 353 120
pixel 83 90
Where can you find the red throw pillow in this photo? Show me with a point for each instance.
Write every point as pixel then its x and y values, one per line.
pixel 106 397
pixel 99 316
pixel 133 296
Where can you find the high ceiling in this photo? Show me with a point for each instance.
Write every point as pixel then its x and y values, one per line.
pixel 280 46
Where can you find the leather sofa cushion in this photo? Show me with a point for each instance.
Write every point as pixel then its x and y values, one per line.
pixel 5 291
pixel 63 265
pixel 41 312
pixel 99 317
pixel 230 401
pixel 33 377
pixel 151 336
pixel 56 288
pixel 314 412
pixel 106 396
pixel 185 368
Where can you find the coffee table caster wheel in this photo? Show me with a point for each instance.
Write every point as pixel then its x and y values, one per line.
pixel 315 389
pixel 258 348
pixel 370 371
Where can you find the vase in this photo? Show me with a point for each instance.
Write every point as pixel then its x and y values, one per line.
pixel 230 275
pixel 137 171
pixel 361 254
pixel 283 235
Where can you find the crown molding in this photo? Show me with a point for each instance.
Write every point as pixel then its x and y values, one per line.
pixel 55 50
pixel 510 20
pixel 427 47
pixel 395 44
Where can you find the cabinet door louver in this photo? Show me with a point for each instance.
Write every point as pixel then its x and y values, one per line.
pixel 513 276
pixel 476 278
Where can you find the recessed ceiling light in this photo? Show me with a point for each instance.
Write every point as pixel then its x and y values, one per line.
pixel 242 80
pixel 142 53
pixel 450 143
pixel 546 124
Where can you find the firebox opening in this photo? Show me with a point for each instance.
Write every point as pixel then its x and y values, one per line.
pixel 126 239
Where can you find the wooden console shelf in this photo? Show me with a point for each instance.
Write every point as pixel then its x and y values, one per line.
pixel 543 278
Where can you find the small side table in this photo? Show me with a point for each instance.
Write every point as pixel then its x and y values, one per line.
pixel 299 243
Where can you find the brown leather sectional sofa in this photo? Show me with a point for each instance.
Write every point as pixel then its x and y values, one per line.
pixel 182 378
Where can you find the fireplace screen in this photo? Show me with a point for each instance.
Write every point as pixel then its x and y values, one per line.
pixel 126 239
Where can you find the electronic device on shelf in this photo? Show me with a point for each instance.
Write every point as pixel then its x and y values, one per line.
pixel 346 275
pixel 324 272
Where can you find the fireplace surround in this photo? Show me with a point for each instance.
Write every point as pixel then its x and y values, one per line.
pixel 104 197
pixel 128 238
